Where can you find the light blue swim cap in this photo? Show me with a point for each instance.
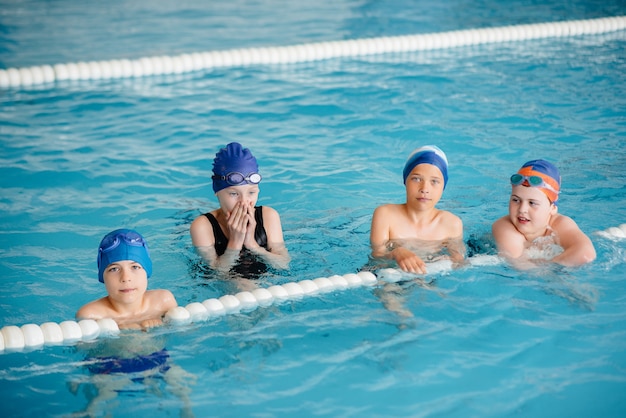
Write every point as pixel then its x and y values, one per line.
pixel 428 154
pixel 123 244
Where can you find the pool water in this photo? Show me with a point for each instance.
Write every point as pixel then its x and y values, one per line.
pixel 82 158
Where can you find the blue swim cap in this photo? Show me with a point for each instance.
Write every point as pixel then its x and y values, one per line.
pixel 428 154
pixel 233 159
pixel 123 244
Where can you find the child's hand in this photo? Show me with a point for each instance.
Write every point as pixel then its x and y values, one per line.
pixel 250 242
pixel 238 220
pixel 408 261
pixel 151 323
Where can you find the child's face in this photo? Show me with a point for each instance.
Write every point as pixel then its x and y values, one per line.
pixel 126 281
pixel 530 211
pixel 424 185
pixel 246 194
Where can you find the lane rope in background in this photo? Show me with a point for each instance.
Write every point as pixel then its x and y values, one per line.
pixel 14 78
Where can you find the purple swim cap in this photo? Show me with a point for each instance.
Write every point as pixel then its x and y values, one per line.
pixel 123 244
pixel 233 159
pixel 428 154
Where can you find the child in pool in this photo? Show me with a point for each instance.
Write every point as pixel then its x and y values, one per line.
pixel 534 224
pixel 124 266
pixel 396 228
pixel 238 229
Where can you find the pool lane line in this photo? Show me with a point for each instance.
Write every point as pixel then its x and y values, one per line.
pixel 15 78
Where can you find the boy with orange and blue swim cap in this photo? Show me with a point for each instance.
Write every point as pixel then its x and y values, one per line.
pixel 238 227
pixel 124 266
pixel 396 228
pixel 533 219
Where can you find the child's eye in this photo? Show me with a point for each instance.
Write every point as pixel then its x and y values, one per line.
pixel 113 269
pixel 137 266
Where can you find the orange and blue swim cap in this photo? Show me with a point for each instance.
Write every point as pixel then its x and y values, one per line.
pixel 550 182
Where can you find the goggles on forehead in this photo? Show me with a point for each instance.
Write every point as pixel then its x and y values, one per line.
pixel 236 179
pixel 533 181
pixel 131 238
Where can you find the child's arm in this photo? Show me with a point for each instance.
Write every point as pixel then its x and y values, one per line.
pixel 202 238
pixel 277 255
pixel 577 247
pixel 379 239
pixel 509 240
pixel 379 233
pixel 160 301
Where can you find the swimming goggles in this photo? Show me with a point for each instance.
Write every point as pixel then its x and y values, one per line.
pixel 236 179
pixel 533 181
pixel 130 238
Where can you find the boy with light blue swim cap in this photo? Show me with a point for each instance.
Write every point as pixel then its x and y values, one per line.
pixel 123 244
pixel 227 236
pixel 124 266
pixel 534 227
pixel 397 228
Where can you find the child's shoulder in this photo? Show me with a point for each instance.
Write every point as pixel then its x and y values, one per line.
pixel 268 209
pixel 449 216
pixel 96 309
pixel 560 222
pixel 162 298
pixel 451 222
pixel 390 208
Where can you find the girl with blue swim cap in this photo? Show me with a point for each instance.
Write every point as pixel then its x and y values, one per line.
pixel 124 266
pixel 396 227
pixel 228 236
pixel 533 227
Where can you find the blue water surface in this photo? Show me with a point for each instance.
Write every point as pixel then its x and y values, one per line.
pixel 79 159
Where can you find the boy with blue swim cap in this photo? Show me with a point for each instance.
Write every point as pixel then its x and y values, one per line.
pixel 124 266
pixel 533 221
pixel 395 226
pixel 239 235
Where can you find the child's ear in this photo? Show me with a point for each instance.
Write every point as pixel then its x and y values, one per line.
pixel 554 209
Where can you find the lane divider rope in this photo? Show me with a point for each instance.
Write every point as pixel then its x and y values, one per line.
pixel 614 233
pixel 13 78
pixel 15 338
pixel 30 337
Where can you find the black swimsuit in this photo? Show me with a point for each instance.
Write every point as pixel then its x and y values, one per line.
pixel 246 265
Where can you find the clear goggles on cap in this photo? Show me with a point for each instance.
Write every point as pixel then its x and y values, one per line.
pixel 130 238
pixel 236 179
pixel 533 181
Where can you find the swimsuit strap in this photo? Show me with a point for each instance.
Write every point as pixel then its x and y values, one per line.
pixel 220 238
pixel 259 232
